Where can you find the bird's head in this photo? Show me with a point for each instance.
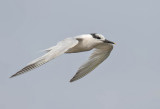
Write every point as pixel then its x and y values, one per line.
pixel 98 38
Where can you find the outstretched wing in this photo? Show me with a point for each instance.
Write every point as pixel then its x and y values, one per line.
pixel 97 57
pixel 54 51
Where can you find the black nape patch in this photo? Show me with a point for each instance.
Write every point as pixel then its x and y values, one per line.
pixel 94 35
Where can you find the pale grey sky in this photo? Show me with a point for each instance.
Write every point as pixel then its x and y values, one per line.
pixel 128 79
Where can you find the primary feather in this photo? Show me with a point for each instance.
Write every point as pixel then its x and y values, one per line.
pixel 96 58
pixel 55 51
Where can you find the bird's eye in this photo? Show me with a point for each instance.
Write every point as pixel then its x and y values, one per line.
pixel 98 37
pixel 95 36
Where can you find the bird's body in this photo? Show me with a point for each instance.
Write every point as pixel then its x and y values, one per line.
pixel 80 43
pixel 83 45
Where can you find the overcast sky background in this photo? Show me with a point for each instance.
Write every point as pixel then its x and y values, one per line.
pixel 128 79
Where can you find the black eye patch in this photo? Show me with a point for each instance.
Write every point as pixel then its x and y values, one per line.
pixel 98 37
pixel 94 35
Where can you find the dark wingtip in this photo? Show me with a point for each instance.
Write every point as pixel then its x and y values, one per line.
pixel 12 76
pixel 71 80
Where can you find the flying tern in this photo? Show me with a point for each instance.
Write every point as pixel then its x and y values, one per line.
pixel 81 43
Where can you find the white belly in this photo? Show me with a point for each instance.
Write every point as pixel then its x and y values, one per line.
pixel 80 47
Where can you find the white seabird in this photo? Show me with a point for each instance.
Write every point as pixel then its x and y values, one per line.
pixel 86 42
